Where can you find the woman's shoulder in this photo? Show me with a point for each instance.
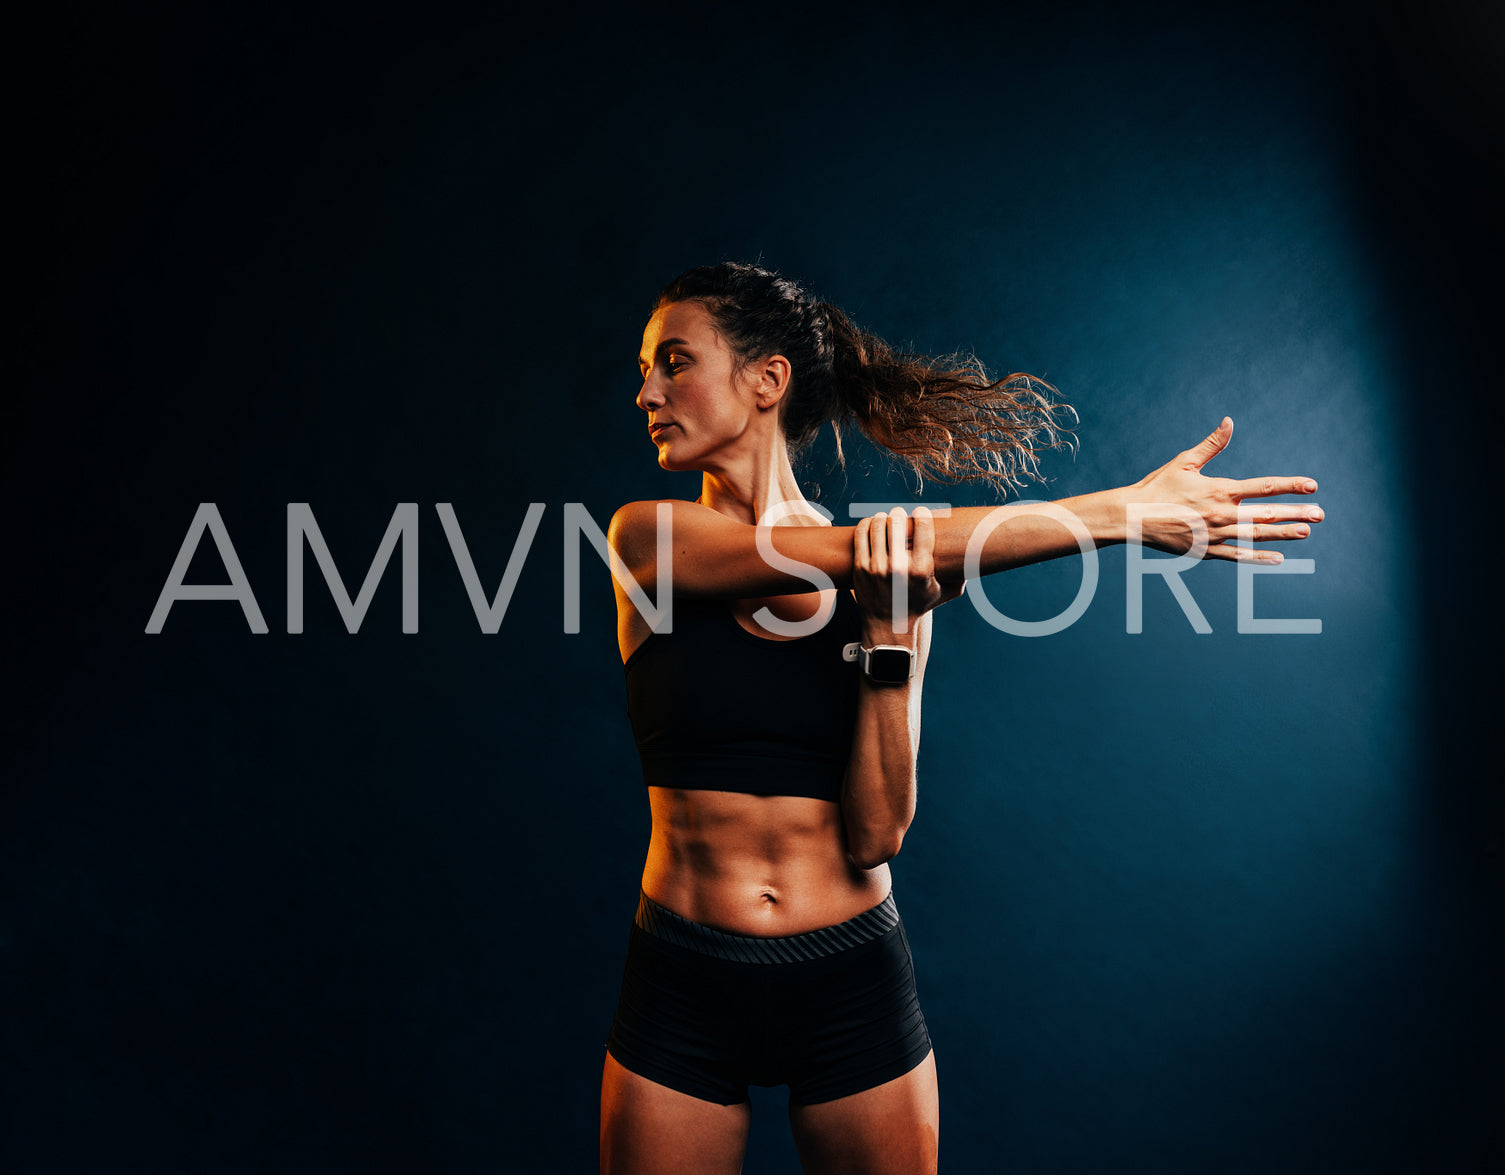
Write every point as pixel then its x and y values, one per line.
pixel 646 511
pixel 637 521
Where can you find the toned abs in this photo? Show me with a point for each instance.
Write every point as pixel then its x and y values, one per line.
pixel 766 865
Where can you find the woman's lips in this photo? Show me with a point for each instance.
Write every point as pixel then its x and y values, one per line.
pixel 655 429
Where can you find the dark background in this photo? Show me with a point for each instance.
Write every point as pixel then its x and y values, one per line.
pixel 332 902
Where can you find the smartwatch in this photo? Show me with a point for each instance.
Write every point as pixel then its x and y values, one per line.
pixel 886 664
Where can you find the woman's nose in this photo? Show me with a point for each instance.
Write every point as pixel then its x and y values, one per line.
pixel 650 397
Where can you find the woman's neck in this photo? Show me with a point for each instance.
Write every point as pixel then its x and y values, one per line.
pixel 749 489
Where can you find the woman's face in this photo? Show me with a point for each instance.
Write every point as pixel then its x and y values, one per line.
pixel 697 403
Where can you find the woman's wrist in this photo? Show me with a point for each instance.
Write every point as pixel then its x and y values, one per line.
pixel 1104 514
pixel 882 632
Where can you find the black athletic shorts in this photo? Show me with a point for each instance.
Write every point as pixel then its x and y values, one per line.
pixel 828 1013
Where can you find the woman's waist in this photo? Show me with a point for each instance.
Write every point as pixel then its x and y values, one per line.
pixel 746 906
pixel 732 886
pixel 875 922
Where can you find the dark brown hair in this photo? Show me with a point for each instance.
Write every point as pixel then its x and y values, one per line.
pixel 940 415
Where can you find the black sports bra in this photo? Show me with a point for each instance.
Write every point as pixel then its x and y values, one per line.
pixel 716 708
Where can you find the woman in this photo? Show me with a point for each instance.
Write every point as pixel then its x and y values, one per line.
pixel 780 771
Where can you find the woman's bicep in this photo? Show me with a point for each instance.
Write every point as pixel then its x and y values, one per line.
pixel 712 555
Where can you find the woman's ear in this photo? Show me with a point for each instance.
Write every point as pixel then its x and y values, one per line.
pixel 773 380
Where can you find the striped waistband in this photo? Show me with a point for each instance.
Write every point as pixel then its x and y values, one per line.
pixel 663 923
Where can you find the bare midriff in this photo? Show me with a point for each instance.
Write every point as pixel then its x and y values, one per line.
pixel 765 865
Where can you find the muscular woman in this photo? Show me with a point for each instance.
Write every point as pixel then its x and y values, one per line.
pixel 778 721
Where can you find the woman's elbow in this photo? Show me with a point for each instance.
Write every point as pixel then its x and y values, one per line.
pixel 875 848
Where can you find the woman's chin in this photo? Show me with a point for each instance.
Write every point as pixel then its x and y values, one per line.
pixel 665 461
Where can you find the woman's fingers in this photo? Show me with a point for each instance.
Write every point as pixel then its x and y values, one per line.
pixel 1242 554
pixel 862 545
pixel 1283 512
pixel 1265 487
pixel 878 540
pixel 895 552
pixel 898 541
pixel 922 553
pixel 1259 532
pixel 1199 455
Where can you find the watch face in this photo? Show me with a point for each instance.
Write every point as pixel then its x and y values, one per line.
pixel 889 665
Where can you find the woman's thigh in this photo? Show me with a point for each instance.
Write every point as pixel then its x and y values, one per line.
pixel 891 1129
pixel 650 1129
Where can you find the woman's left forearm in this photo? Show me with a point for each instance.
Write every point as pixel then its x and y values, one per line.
pixel 878 797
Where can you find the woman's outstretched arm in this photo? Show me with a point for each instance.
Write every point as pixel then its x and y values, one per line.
pixel 717 556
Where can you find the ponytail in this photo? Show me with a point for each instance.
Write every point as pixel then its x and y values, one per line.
pixel 941 416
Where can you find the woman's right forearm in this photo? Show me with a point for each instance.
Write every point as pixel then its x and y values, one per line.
pixel 1015 535
pixel 1004 537
pixel 715 556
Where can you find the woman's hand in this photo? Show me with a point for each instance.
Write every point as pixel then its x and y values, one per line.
pixel 1180 484
pixel 894 553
